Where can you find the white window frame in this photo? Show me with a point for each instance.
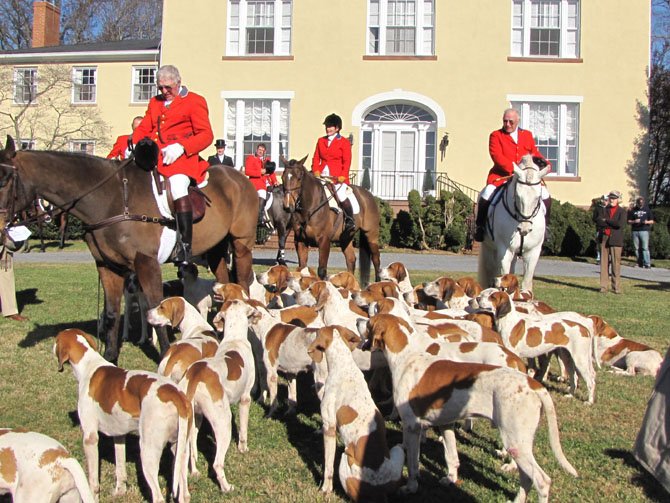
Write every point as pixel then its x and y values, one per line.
pixel 76 146
pixel 135 82
pixel 424 28
pixel 569 26
pixel 523 103
pixel 77 78
pixel 237 28
pixel 19 73
pixel 235 132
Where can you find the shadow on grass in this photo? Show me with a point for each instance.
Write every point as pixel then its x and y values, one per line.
pixel 549 281
pixel 270 261
pixel 27 297
pixel 643 479
pixel 40 333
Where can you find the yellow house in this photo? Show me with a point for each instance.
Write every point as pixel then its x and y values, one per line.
pixel 419 84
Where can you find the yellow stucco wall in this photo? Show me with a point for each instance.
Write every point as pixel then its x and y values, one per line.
pixel 470 78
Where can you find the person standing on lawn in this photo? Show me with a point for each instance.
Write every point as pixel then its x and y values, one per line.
pixel 641 219
pixel 613 223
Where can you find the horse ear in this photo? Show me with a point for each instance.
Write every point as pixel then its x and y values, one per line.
pixel 283 160
pixel 517 170
pixel 544 171
pixel 10 148
pixel 302 161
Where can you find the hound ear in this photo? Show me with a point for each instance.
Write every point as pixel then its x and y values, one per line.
pixel 448 290
pixel 324 294
pixel 390 291
pixel 282 280
pixel 351 338
pixel 62 354
pixel 504 306
pixel 91 341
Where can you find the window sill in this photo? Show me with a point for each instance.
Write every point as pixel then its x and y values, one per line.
pixel 531 59
pixel 400 58
pixel 91 104
pixel 262 57
pixel 560 178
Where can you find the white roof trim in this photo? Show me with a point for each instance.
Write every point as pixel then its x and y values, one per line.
pixel 258 95
pixel 547 98
pixel 80 56
pixel 395 96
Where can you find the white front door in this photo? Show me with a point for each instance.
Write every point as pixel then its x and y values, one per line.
pixel 397 170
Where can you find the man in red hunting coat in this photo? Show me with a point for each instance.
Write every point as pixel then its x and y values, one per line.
pixel 121 148
pixel 178 121
pixel 507 146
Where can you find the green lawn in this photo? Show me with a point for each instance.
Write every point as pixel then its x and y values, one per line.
pixel 285 458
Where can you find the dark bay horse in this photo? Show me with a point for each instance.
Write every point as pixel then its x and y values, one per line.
pixel 281 221
pixel 314 223
pixel 114 199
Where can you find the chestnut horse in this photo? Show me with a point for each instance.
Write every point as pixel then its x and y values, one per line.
pixel 114 201
pixel 314 223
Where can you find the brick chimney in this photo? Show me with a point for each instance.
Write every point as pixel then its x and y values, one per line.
pixel 46 24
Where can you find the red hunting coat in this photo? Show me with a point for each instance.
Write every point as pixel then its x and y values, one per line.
pixel 184 121
pixel 504 152
pixel 119 149
pixel 252 168
pixel 337 157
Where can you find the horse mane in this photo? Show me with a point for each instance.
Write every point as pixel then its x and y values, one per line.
pixel 87 159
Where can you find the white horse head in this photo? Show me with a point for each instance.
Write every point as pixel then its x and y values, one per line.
pixel 527 190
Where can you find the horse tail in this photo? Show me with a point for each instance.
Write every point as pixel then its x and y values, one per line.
pixel 484 267
pixel 364 257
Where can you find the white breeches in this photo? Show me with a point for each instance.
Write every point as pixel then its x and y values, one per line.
pixel 179 185
pixel 268 203
pixel 343 192
pixel 262 193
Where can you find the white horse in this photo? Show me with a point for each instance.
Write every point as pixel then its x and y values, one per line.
pixel 515 226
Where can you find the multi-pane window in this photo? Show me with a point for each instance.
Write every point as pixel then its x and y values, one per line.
pixel 401 27
pixel 27 144
pixel 555 127
pixel 84 84
pixel 259 27
pixel 25 85
pixel 82 146
pixel 144 83
pixel 545 28
pixel 253 121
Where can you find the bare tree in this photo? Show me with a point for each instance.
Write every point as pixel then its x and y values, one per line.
pixel 47 117
pixel 83 21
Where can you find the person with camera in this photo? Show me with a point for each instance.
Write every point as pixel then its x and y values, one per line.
pixel 260 171
pixel 612 221
pixel 641 219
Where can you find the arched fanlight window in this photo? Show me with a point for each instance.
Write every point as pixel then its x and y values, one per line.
pixel 400 113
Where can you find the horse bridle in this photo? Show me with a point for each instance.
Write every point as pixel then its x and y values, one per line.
pixel 517 212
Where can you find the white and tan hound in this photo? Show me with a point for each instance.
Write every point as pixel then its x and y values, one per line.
pixel 368 470
pixel 116 402
pixel 434 391
pixel 398 273
pixel 36 468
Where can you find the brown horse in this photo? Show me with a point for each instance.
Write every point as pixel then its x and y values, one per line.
pixel 314 223
pixel 114 200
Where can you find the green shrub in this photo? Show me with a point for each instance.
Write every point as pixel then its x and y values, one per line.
pixel 385 221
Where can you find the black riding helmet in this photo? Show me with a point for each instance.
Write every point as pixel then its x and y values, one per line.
pixel 333 120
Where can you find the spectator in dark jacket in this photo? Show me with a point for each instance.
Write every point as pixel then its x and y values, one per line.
pixel 599 205
pixel 613 223
pixel 641 220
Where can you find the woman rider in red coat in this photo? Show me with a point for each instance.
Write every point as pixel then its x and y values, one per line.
pixel 332 157
pixel 178 121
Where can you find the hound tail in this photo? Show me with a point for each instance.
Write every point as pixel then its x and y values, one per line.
pixel 552 424
pixel 79 477
pixel 184 434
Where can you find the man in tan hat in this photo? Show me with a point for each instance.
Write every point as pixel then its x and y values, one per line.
pixel 613 222
pixel 220 157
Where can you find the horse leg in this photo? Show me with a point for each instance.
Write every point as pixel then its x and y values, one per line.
pixel 217 259
pixel 506 262
pixel 62 230
pixel 282 234
pixel 243 262
pixel 303 252
pixel 324 253
pixel 350 256
pixel 149 275
pixel 112 284
pixel 530 262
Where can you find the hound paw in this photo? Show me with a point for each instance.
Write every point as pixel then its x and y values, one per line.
pixel 509 467
pixel 449 480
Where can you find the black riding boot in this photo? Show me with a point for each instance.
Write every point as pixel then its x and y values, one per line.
pixel 480 223
pixel 262 221
pixel 184 218
pixel 349 222
pixel 547 216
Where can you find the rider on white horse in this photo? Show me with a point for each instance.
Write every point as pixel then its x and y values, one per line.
pixel 507 146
